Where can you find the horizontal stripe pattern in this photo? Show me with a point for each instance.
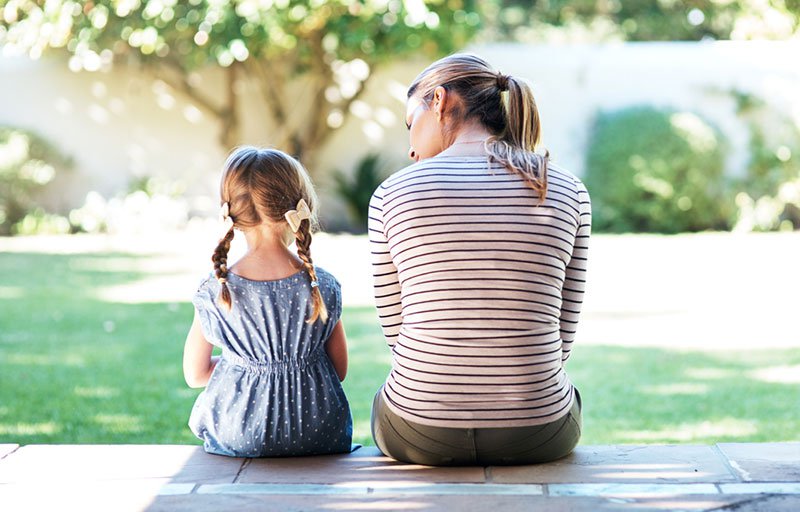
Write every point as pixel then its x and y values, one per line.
pixel 479 289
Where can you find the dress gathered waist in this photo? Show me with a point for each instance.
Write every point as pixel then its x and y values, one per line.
pixel 280 366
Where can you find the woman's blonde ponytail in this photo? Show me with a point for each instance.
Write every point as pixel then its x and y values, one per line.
pixel 515 147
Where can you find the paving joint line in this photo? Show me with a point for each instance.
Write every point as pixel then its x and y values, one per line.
pixel 241 469
pixel 732 507
pixel 726 461
pixel 11 452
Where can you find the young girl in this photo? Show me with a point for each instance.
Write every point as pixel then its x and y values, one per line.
pixel 276 389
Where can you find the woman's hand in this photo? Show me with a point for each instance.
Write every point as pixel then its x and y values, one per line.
pixel 336 347
pixel 197 361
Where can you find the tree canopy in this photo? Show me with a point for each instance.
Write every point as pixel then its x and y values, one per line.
pixel 333 44
pixel 643 20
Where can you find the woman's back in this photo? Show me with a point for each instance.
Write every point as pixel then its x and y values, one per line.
pixel 491 281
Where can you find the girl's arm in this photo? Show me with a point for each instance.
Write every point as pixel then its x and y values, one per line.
pixel 197 361
pixel 336 347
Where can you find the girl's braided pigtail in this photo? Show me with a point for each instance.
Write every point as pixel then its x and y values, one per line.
pixel 303 237
pixel 220 259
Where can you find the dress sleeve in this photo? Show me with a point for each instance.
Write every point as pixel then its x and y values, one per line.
pixel 204 301
pixel 335 311
pixel 575 281
pixel 384 272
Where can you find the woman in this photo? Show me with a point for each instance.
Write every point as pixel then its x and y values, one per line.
pixel 479 257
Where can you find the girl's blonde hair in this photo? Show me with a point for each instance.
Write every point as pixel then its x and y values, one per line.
pixel 262 185
pixel 513 121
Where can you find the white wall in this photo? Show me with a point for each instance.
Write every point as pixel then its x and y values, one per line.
pixel 122 124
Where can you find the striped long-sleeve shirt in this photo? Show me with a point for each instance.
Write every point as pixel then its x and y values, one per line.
pixel 478 288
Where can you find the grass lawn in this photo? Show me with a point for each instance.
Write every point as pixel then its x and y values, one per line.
pixel 76 369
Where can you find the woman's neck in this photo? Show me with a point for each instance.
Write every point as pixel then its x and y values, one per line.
pixel 469 141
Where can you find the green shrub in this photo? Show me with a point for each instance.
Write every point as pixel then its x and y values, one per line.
pixel 356 191
pixel 27 164
pixel 661 171
pixel 768 196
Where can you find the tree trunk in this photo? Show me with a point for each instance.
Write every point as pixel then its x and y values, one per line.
pixel 230 129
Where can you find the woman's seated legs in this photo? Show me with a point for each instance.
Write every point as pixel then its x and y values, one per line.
pixel 440 446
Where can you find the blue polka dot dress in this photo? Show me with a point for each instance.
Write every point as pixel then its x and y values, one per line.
pixel 274 391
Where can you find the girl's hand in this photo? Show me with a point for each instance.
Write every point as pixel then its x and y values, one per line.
pixel 336 347
pixel 197 361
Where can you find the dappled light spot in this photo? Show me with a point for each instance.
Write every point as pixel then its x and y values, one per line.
pixel 192 114
pixel 777 374
pixel 678 388
pixel 187 392
pixel 98 114
pixel 124 423
pixel 688 471
pixel 373 131
pixel 63 106
pixel 45 359
pixel 10 292
pixel 398 467
pixel 682 504
pixel 172 289
pixel 695 432
pixel 376 505
pixel 99 89
pixel 106 264
pixel 28 429
pixel 96 392
pixel 710 373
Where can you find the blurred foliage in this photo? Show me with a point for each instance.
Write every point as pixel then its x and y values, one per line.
pixel 652 170
pixel 642 20
pixel 27 164
pixel 356 190
pixel 769 192
pixel 333 44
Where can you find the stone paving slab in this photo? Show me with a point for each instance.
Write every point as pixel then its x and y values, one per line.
pixel 761 488
pixel 90 496
pixel 764 462
pixel 6 449
pixel 383 489
pixel 366 464
pixel 623 463
pixel 168 477
pixel 254 502
pixel 113 462
pixel 768 503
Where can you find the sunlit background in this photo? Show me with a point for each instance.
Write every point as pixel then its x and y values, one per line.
pixel 683 119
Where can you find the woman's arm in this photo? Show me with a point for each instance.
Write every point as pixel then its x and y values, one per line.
pixel 575 281
pixel 197 361
pixel 336 347
pixel 384 272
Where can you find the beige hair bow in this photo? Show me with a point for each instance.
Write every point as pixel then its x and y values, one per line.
pixel 295 217
pixel 225 217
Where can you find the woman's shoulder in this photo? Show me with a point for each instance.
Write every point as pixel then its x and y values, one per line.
pixel 560 175
pixel 454 165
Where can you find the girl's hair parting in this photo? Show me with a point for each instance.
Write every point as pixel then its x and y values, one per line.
pixel 513 121
pixel 262 185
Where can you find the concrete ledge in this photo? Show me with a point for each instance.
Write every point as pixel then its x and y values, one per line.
pixel 169 477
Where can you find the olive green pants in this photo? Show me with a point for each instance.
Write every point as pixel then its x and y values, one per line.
pixel 412 442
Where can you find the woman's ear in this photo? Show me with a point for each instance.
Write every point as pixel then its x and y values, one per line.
pixel 439 101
